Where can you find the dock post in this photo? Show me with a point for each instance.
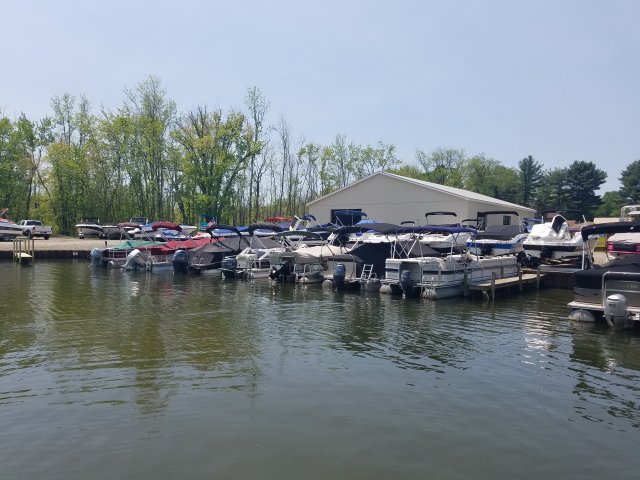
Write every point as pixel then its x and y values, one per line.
pixel 538 277
pixel 520 278
pixel 493 286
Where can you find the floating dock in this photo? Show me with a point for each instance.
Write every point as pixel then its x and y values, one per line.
pixel 488 288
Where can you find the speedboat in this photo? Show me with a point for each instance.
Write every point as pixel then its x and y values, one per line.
pixel 8 228
pixel 89 227
pixel 628 243
pixel 554 240
pixel 610 291
pixel 502 237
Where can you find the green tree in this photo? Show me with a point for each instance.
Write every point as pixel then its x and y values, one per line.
pixel 611 204
pixel 443 166
pixel 630 181
pixel 554 191
pixel 530 174
pixel 584 178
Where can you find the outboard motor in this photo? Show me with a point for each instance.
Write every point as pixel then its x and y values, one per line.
pixel 339 275
pixel 180 261
pixel 132 260
pixel 407 283
pixel 96 257
pixel 615 311
pixel 228 266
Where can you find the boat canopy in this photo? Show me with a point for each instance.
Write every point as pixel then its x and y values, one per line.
pixel 498 212
pixel 263 226
pixel 300 233
pixel 167 225
pixel 613 227
pixel 446 229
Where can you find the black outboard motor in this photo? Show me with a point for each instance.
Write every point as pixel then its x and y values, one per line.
pixel 281 273
pixel 407 283
pixel 228 266
pixel 180 261
pixel 339 275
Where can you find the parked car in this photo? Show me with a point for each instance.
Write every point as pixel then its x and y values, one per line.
pixel 34 228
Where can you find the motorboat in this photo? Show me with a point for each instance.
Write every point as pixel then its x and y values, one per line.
pixel 298 262
pixel 628 243
pixel 253 262
pixel 8 228
pixel 159 255
pixel 502 237
pixel 116 255
pixel 610 291
pixel 441 277
pixel 89 227
pixel 208 257
pixel 363 266
pixel 554 240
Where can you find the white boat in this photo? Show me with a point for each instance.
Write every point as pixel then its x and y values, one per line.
pixel 627 243
pixel 89 227
pixel 442 277
pixel 303 265
pixel 253 261
pixel 499 233
pixel 448 237
pixel 8 228
pixel 554 240
pixel 363 266
pixel 611 291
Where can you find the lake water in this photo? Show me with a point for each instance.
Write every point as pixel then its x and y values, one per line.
pixel 107 374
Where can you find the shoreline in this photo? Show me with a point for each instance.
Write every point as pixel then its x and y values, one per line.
pixel 58 247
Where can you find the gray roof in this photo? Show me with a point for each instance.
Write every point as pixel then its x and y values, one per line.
pixel 458 192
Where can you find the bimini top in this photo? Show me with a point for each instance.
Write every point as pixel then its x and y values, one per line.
pixel 498 212
pixel 613 227
pixel 263 226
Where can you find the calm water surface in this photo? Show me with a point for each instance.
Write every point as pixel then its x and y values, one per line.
pixel 107 374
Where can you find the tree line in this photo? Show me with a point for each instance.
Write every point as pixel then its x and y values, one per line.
pixel 147 159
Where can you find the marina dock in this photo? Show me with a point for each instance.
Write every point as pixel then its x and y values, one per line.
pixel 488 288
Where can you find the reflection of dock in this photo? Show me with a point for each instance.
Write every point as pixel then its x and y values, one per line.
pixel 488 288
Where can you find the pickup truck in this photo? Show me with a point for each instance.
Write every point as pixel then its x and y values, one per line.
pixel 34 228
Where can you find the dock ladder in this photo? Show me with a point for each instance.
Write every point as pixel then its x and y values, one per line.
pixel 367 271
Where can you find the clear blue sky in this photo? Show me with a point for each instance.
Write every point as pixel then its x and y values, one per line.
pixel 557 79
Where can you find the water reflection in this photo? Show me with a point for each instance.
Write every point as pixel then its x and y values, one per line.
pixel 73 335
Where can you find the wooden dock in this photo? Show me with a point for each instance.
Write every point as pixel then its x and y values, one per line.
pixel 488 288
pixel 24 251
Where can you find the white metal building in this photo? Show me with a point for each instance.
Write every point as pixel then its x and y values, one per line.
pixel 386 197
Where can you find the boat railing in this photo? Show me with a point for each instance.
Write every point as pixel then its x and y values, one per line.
pixel 624 276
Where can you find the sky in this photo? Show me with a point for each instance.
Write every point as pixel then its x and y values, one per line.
pixel 558 80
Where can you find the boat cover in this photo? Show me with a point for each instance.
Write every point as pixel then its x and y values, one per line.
pixel 592 278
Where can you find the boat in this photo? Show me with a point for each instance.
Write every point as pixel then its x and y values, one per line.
pixel 116 255
pixel 363 266
pixel 301 263
pixel 89 227
pixel 209 255
pixel 441 277
pixel 8 228
pixel 253 262
pixel 624 244
pixel 610 291
pixel 502 238
pixel 554 240
pixel 159 255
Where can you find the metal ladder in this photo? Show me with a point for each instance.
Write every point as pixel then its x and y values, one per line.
pixel 367 270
